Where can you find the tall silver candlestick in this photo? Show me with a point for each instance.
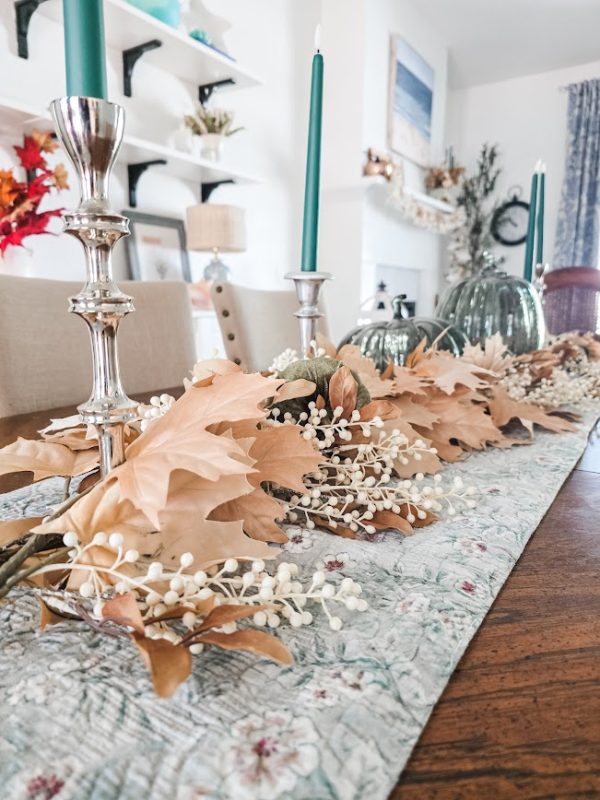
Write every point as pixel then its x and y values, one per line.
pixel 91 132
pixel 308 287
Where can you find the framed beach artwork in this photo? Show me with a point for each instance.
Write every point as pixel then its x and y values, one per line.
pixel 410 102
pixel 156 248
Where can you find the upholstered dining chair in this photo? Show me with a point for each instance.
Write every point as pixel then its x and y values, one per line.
pixel 572 299
pixel 257 325
pixel 45 356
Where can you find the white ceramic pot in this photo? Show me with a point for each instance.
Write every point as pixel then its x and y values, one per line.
pixel 182 139
pixel 211 146
pixel 17 261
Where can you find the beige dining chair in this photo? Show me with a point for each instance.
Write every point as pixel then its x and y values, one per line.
pixel 45 356
pixel 257 325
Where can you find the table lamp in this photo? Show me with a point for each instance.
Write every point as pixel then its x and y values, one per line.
pixel 217 229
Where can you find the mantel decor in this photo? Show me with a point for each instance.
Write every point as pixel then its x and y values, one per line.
pixel 419 213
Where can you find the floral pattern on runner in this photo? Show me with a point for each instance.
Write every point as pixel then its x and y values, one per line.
pixel 79 719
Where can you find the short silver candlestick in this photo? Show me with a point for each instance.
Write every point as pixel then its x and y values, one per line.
pixel 539 280
pixel 91 131
pixel 308 287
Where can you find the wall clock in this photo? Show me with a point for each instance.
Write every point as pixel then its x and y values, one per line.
pixel 509 221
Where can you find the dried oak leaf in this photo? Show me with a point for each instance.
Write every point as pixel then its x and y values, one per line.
pixel 492 356
pixel 406 382
pixel 365 368
pixel 179 439
pixel 448 372
pixel 278 455
pixel 503 409
pixel 384 409
pixel 462 424
pixel 252 641
pixel 45 459
pixel 291 390
pixel 183 526
pixel 414 412
pixel 169 664
pixel 13 529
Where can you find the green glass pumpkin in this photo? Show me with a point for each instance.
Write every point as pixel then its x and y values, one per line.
pixel 397 338
pixel 494 302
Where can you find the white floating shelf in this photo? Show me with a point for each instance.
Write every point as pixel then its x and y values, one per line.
pixel 426 200
pixel 179 164
pixel 179 55
pixel 17 117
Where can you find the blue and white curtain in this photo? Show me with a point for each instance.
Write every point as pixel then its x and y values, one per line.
pixel 578 225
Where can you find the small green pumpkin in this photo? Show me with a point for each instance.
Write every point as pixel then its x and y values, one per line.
pixel 319 371
pixel 397 338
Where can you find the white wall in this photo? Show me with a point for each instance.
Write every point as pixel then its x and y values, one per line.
pixel 358 230
pixel 266 148
pixel 389 240
pixel 527 118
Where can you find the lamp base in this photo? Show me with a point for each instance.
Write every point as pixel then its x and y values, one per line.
pixel 216 270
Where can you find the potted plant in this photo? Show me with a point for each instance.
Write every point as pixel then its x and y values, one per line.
pixel 210 128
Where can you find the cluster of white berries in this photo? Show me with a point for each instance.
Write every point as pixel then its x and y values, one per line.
pixel 571 384
pixel 160 589
pixel 157 407
pixel 355 482
pixel 289 356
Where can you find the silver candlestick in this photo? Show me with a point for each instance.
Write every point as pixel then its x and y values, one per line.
pixel 91 132
pixel 308 287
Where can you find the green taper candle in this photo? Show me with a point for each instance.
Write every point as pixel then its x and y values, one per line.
pixel 528 268
pixel 540 217
pixel 310 229
pixel 84 48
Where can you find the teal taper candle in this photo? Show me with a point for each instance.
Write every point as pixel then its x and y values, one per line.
pixel 310 230
pixel 84 48
pixel 540 217
pixel 529 244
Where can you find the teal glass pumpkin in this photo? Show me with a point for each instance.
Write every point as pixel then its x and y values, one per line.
pixel 397 338
pixel 494 302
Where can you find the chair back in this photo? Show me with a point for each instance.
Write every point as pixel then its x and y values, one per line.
pixel 45 356
pixel 257 325
pixel 572 299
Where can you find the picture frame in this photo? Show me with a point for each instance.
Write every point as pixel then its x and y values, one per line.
pixel 156 248
pixel 410 102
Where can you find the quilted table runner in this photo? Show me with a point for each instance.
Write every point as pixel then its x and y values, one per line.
pixel 79 719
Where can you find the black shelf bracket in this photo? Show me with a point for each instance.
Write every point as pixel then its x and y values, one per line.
pixel 205 91
pixel 130 59
pixel 206 189
pixel 24 11
pixel 134 173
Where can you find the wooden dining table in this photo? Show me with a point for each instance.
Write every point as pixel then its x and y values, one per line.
pixel 520 717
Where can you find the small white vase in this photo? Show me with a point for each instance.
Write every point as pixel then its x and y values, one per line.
pixel 211 146
pixel 17 261
pixel 182 139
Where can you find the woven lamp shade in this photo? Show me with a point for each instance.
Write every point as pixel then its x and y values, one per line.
pixel 216 227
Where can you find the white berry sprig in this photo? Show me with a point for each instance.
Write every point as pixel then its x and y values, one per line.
pixel 159 591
